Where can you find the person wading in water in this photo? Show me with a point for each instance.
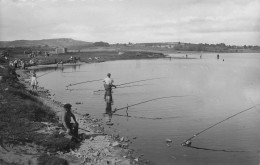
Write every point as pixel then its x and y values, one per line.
pixel 108 84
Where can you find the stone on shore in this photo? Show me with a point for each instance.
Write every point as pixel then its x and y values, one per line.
pixel 115 144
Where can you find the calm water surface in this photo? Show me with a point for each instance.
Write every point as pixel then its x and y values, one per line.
pixel 210 89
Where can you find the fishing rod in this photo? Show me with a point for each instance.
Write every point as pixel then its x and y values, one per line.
pixel 188 141
pixel 122 87
pixel 46 73
pixel 159 98
pixel 133 86
pixel 152 118
pixel 75 71
pixel 138 81
pixel 131 83
pixel 84 129
pixel 83 82
pixel 78 89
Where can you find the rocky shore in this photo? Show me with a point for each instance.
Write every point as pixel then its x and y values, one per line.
pixel 44 141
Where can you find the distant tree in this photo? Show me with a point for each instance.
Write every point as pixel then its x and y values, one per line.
pixel 101 44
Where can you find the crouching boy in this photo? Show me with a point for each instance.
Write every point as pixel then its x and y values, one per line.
pixel 72 128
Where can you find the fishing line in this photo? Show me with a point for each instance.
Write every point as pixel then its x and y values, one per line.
pixel 78 89
pixel 84 129
pixel 159 98
pixel 75 71
pixel 122 87
pixel 131 83
pixel 139 81
pixel 83 82
pixel 46 73
pixel 188 141
pixel 133 86
pixel 152 118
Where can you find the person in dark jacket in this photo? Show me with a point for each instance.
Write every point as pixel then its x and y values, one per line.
pixel 72 128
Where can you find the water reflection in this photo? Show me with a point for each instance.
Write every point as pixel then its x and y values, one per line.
pixel 108 111
pixel 57 66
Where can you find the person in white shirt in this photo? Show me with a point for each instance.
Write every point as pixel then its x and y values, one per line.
pixel 108 84
pixel 34 81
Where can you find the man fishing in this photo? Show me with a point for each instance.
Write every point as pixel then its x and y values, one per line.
pixel 108 84
pixel 72 128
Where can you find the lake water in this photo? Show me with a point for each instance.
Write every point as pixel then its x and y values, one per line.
pixel 207 91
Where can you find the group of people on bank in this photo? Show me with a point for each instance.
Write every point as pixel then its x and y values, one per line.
pixel 18 63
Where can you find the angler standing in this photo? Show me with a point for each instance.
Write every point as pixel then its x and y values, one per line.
pixel 108 84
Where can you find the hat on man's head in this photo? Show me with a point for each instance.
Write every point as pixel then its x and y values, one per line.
pixel 67 105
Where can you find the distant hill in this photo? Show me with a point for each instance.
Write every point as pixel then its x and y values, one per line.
pixel 58 42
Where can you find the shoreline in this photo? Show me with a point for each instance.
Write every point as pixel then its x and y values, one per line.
pixel 98 140
pixel 96 148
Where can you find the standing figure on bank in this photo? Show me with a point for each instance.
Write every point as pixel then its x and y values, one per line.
pixel 72 128
pixel 34 81
pixel 108 84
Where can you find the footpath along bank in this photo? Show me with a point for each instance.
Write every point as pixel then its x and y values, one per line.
pixel 31 132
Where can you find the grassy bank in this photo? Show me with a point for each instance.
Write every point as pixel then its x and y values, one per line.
pixel 30 132
pixel 21 115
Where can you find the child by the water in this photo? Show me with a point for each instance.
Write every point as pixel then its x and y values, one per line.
pixel 34 81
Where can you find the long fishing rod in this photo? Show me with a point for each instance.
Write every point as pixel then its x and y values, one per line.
pixel 131 83
pixel 84 129
pixel 188 141
pixel 152 118
pixel 83 82
pixel 159 98
pixel 79 89
pixel 122 87
pixel 45 73
pixel 75 71
pixel 138 81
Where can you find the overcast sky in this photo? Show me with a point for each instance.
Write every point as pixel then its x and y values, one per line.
pixel 234 22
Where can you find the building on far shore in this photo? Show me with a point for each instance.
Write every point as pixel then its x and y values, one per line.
pixel 60 50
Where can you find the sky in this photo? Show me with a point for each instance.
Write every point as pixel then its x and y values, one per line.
pixel 233 22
